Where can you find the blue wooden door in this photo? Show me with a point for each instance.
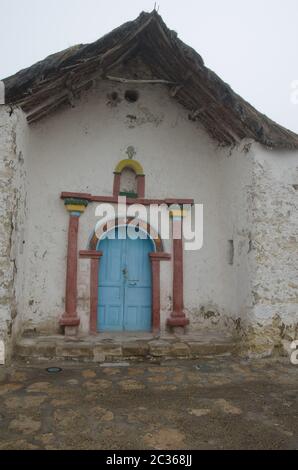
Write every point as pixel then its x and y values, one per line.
pixel 124 290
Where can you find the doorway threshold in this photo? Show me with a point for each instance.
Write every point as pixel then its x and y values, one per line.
pixel 126 346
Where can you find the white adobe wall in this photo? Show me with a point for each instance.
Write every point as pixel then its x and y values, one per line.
pixel 12 218
pixel 77 150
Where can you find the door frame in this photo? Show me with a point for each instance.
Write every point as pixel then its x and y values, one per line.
pixel 155 257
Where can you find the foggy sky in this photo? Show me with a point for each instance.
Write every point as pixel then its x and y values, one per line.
pixel 250 44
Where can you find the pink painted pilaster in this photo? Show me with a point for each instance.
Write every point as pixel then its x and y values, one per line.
pixel 94 271
pixel 155 266
pixel 141 186
pixel 116 186
pixel 70 318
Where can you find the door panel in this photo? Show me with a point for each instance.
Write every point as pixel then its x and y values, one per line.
pixel 125 284
pixel 111 288
pixel 137 309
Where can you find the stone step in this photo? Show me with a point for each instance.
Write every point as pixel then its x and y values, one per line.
pixel 102 349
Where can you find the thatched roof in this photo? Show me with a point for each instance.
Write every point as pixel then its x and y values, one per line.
pixel 59 78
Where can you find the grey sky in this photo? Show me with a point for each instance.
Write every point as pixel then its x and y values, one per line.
pixel 251 44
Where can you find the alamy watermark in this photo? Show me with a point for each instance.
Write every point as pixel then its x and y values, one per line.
pixel 153 220
pixel 294 92
pixel 294 354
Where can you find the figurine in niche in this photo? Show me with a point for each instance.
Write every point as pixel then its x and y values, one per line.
pixel 128 183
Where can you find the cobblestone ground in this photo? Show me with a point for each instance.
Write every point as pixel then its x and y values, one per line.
pixel 208 404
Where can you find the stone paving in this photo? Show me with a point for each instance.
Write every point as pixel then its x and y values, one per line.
pixel 219 403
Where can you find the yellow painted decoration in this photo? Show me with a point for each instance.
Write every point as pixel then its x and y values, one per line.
pixel 132 164
pixel 178 213
pixel 75 208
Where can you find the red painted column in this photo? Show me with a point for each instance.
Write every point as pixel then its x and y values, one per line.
pixel 94 267
pixel 70 319
pixel 155 266
pixel 177 317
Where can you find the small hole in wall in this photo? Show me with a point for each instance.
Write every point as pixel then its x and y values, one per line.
pixel 131 96
pixel 231 252
pixel 114 96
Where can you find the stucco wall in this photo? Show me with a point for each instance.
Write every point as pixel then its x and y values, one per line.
pixel 77 150
pixel 274 216
pixel 235 182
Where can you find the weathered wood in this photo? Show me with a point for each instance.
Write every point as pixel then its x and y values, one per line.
pixel 132 81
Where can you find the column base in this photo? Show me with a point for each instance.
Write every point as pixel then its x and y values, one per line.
pixel 70 324
pixel 178 320
pixel 178 330
pixel 156 331
pixel 71 331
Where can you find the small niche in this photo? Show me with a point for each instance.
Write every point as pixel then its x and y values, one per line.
pixel 231 252
pixel 131 96
pixel 128 183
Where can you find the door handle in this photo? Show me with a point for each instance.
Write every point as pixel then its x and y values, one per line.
pixel 132 284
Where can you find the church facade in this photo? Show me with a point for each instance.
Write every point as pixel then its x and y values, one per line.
pixel 137 115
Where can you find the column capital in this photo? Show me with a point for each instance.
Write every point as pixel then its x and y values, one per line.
pixel 76 206
pixel 90 254
pixel 177 213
